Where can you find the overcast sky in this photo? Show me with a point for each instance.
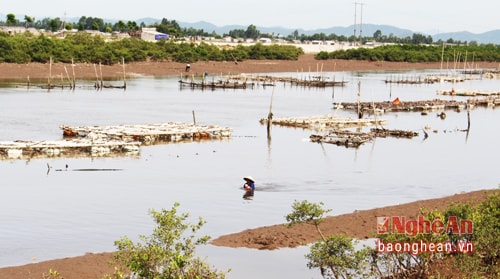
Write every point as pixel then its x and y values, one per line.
pixel 426 16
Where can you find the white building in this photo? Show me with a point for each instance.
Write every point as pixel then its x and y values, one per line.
pixel 19 29
pixel 151 35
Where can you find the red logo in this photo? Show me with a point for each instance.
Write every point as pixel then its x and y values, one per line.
pixel 420 225
pixel 383 225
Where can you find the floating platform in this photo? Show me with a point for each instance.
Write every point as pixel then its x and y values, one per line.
pixel 220 84
pixel 314 81
pixel 430 79
pixel 317 83
pixel 446 78
pixel 323 122
pixel 468 93
pixel 102 141
pixel 150 133
pixel 418 106
pixel 410 80
pixel 355 139
pixel 67 148
pixel 388 106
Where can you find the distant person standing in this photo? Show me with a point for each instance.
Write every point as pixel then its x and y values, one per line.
pixel 188 67
pixel 249 187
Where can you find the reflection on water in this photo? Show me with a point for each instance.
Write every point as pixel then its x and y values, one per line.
pixel 68 213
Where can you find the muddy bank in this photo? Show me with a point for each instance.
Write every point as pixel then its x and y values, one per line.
pixel 360 224
pixel 305 63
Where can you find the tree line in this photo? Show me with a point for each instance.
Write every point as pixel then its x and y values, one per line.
pixel 418 53
pixel 82 47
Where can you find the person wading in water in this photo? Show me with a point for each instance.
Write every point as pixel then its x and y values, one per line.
pixel 249 187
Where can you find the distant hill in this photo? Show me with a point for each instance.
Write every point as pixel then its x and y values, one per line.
pixel 492 37
pixel 367 30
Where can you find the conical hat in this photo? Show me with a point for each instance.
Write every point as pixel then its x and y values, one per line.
pixel 249 178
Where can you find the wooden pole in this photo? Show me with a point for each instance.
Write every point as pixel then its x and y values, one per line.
pixel 74 77
pixel 124 75
pixel 100 72
pixel 360 115
pixel 333 89
pixel 96 77
pixel 465 63
pixel 270 114
pixel 468 119
pixel 442 58
pixel 50 71
pixel 194 118
pixel 67 75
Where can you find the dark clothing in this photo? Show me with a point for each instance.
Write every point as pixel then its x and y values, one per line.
pixel 249 188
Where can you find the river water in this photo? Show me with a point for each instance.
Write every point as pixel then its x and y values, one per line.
pixel 47 215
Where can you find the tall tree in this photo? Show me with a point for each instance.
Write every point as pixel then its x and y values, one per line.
pixel 377 35
pixel 132 25
pixel 252 32
pixel 28 21
pixel 55 24
pixel 121 26
pixel 11 20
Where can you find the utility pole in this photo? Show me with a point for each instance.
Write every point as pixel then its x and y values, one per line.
pixel 361 25
pixel 355 10
pixel 63 23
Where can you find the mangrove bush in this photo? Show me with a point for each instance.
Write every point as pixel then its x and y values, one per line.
pixel 83 47
pixel 417 53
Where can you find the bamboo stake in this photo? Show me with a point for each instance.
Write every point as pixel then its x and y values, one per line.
pixel 359 100
pixel 468 119
pixel 100 71
pixel 67 75
pixel 50 71
pixel 333 89
pixel 74 76
pixel 124 75
pixel 442 56
pixel 270 114
pixel 96 77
